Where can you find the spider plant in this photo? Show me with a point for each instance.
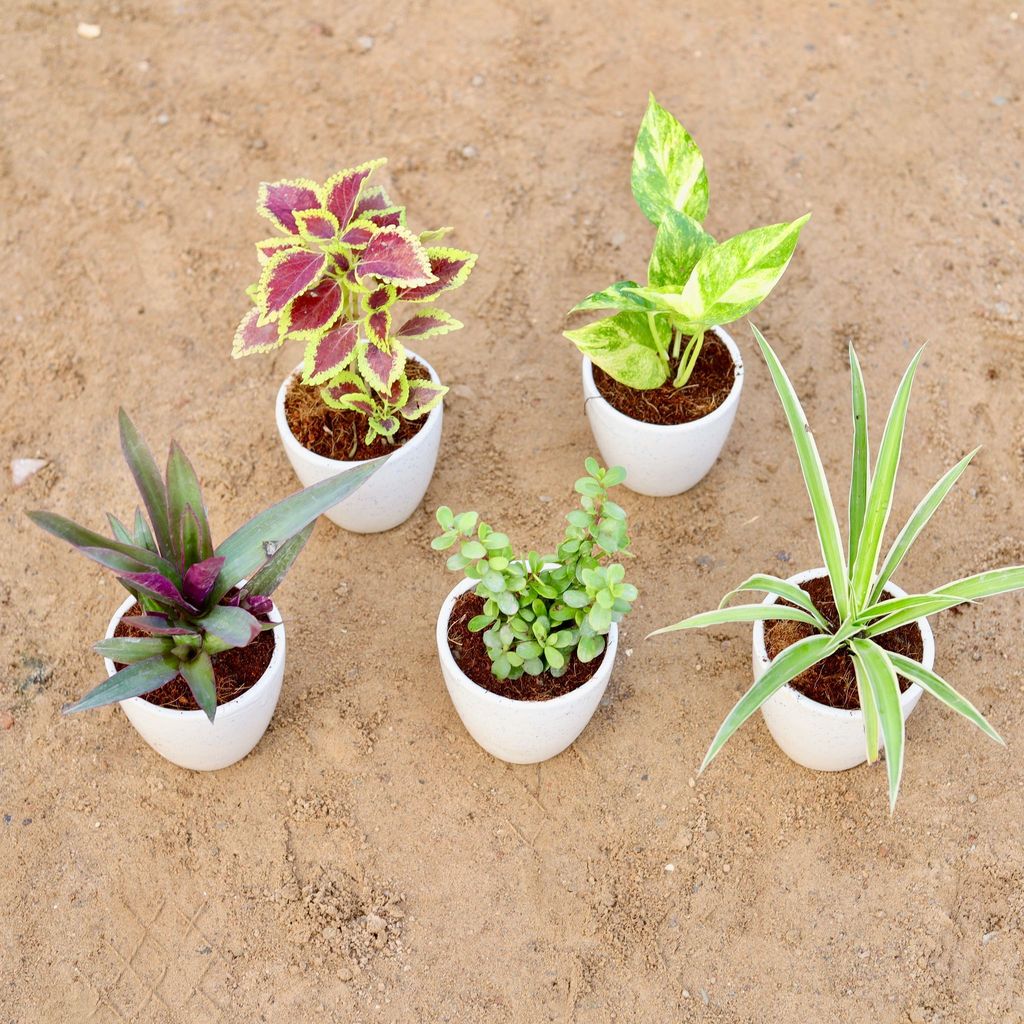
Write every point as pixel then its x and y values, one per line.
pixel 858 577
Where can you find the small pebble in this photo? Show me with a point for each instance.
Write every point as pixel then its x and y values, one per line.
pixel 618 239
pixel 670 867
pixel 143 65
pixel 26 821
pixel 22 469
pixel 477 80
pixel 345 973
pixel 999 101
pixel 545 498
pixel 972 799
pixel 365 43
pixel 88 31
pixel 469 152
pixel 163 119
pixel 259 143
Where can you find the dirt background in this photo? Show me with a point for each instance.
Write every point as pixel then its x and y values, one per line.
pixel 368 862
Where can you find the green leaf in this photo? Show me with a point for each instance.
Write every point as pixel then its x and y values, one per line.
pixel 142 677
pixel 183 493
pixel 119 530
pixel 473 549
pixel 917 522
pixel 235 626
pixel 898 611
pixel 881 678
pixel 860 462
pixel 147 478
pixel 788 664
pixel 938 687
pixel 624 347
pixel 668 168
pixel 589 648
pixel 734 277
pixel 780 588
pixel 678 246
pixel 615 296
pixel 445 517
pixel 127 650
pixel 143 536
pixel 199 675
pixel 814 478
pixel 741 613
pixel 267 579
pixel 868 707
pixel 883 481
pixel 245 550
pixel 479 622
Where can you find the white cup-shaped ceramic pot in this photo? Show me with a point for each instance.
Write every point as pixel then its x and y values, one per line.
pixel 661 460
pixel 520 731
pixel 189 738
pixel 393 493
pixel 815 735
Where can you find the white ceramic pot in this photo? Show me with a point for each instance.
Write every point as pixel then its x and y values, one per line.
pixel 520 731
pixel 815 735
pixel 189 738
pixel 393 493
pixel 661 460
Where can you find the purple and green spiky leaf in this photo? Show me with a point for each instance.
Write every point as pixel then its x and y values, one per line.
pixel 142 535
pixel 251 338
pixel 259 604
pixel 316 225
pixel 314 312
pixel 327 355
pixel 267 579
pixel 119 530
pixel 200 578
pixel 424 395
pixel 341 191
pixel 427 323
pixel 233 625
pixel 184 496
pixel 199 675
pixel 395 255
pixel 449 267
pixel 127 650
pixel 158 587
pixel 279 201
pixel 148 480
pixel 157 625
pixel 286 276
pixel 133 681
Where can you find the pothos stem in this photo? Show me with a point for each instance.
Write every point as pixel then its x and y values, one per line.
pixel 689 360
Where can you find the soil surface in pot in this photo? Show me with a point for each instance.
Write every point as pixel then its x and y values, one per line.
pixel 340 434
pixel 708 387
pixel 236 670
pixel 834 681
pixel 470 654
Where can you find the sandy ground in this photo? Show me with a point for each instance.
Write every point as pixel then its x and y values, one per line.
pixel 368 862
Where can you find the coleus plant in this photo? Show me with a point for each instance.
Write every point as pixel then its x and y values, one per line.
pixel 858 577
pixel 539 610
pixel 334 277
pixel 694 283
pixel 196 600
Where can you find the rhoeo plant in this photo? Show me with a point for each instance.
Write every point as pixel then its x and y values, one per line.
pixel 858 578
pixel 693 282
pixel 539 610
pixel 193 599
pixel 334 278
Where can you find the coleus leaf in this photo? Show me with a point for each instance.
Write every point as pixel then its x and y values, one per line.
pixel 311 314
pixel 381 366
pixel 428 322
pixel 449 267
pixel 341 191
pixel 245 549
pixel 251 338
pixel 330 353
pixel 398 393
pixel 279 201
pixel 394 254
pixel 158 587
pixel 286 276
pixel 393 217
pixel 435 234
pixel 266 580
pixel 200 579
pixel 348 391
pixel 372 197
pixel 424 395
pixel 317 225
pixel 272 246
pixel 378 328
pixel 132 681
pixel 359 234
pixel 624 347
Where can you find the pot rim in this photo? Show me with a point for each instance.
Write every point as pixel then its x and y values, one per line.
pixel 910 695
pixel 236 704
pixel 289 438
pixel 445 653
pixel 592 394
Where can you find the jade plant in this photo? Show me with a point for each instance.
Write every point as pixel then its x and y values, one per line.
pixel 540 610
pixel 341 266
pixel 858 577
pixel 694 283
pixel 196 600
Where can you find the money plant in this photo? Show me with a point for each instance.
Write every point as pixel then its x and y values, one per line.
pixel 540 610
pixel 694 283
pixel 196 600
pixel 858 576
pixel 335 276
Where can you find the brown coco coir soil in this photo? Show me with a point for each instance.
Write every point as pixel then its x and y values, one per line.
pixel 470 654
pixel 235 671
pixel 340 434
pixel 833 681
pixel 708 387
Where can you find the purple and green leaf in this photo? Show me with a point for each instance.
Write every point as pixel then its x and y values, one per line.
pixel 327 355
pixel 279 201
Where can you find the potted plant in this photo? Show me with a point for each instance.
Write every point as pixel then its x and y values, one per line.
pixel 195 655
pixel 661 377
pixel 334 277
pixel 841 654
pixel 527 644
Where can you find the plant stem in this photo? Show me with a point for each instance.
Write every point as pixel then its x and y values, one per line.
pixel 677 337
pixel 689 360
